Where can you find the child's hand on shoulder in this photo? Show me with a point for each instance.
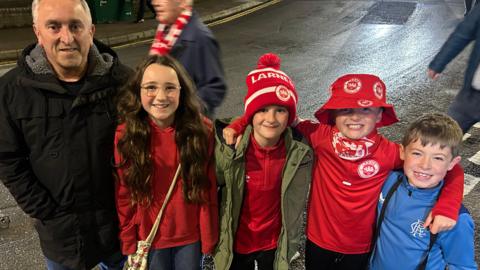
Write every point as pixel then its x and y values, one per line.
pixel 439 223
pixel 231 137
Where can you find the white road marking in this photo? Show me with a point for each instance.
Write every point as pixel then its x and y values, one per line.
pixel 475 158
pixel 470 182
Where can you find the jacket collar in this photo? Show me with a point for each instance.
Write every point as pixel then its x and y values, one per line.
pixel 98 63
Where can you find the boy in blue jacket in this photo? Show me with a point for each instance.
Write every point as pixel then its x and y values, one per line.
pixel 429 149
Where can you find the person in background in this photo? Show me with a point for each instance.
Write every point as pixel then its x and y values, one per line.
pixel 181 34
pixel 161 126
pixel 264 182
pixel 57 122
pixel 469 5
pixel 141 10
pixel 464 109
pixel 429 149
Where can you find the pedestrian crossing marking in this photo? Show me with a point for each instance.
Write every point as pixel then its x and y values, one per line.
pixel 475 158
pixel 470 182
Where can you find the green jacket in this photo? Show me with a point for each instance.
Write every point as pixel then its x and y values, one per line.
pixel 230 166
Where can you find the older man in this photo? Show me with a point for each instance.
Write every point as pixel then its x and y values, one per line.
pixel 57 122
pixel 182 34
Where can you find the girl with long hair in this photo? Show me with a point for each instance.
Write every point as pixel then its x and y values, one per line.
pixel 161 126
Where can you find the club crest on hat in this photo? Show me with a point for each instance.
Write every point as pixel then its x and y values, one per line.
pixel 282 93
pixel 364 102
pixel 352 86
pixel 368 168
pixel 378 90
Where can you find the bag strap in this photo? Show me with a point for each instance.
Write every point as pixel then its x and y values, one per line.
pixel 423 263
pixel 153 232
pixel 384 208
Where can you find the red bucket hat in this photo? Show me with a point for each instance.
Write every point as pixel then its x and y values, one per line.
pixel 358 91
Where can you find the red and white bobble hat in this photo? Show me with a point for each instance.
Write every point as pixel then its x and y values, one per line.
pixel 358 91
pixel 268 85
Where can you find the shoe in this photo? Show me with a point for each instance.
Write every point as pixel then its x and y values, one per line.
pixel 140 21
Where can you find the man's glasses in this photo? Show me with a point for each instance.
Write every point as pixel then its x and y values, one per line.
pixel 152 89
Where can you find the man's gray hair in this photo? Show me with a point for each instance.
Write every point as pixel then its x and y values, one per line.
pixel 82 2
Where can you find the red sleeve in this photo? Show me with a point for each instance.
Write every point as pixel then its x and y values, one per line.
pixel 239 125
pixel 125 211
pixel 452 194
pixel 209 210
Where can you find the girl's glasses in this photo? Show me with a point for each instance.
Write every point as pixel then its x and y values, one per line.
pixel 152 89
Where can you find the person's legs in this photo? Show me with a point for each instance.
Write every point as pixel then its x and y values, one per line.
pixel 141 10
pixel 352 261
pixel 468 6
pixel 265 259
pixel 188 257
pixel 114 262
pixel 243 261
pixel 319 258
pixel 150 6
pixel 160 259
pixel 51 265
pixel 463 118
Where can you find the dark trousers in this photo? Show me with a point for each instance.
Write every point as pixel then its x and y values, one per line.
pixel 141 8
pixel 186 257
pixel 317 258
pixel 264 260
pixel 114 262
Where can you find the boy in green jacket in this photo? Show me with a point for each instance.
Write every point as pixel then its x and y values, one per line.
pixel 264 182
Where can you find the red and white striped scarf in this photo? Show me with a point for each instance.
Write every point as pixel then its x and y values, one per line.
pixel 163 42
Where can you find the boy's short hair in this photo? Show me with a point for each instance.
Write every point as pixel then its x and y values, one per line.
pixel 435 128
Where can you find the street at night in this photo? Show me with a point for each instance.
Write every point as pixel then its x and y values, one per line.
pixel 318 41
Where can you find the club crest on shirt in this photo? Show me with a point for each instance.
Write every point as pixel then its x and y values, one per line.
pixel 368 168
pixel 352 86
pixel 418 230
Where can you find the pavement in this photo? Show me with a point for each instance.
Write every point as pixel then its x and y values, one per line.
pixel 120 33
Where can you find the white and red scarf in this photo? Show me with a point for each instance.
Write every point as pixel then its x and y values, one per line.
pixel 164 40
pixel 349 149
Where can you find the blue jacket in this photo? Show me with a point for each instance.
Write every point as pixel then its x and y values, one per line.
pixel 466 32
pixel 198 51
pixel 403 241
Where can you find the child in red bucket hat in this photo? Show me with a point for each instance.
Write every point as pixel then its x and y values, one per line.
pixel 351 163
pixel 358 91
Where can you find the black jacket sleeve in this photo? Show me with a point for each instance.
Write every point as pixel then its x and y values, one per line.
pixel 15 170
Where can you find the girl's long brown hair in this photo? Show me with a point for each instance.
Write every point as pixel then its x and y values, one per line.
pixel 191 137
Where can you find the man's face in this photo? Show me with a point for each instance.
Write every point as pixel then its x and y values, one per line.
pixel 64 30
pixel 167 11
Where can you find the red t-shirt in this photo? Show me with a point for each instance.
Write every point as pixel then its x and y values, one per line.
pixel 260 217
